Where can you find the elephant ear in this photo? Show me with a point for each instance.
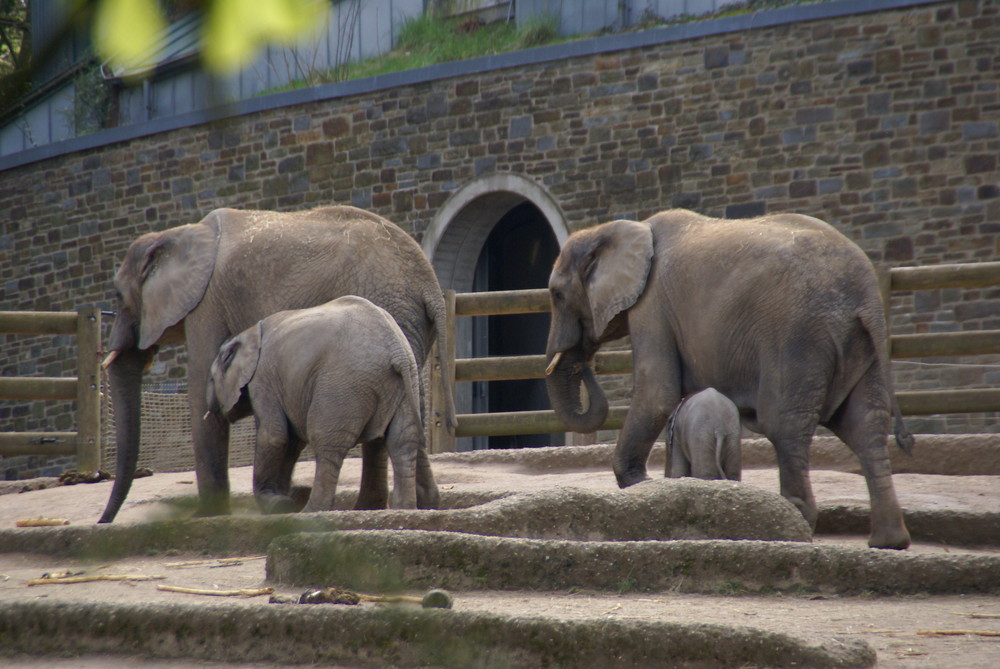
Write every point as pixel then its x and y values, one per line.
pixel 236 365
pixel 615 273
pixel 174 273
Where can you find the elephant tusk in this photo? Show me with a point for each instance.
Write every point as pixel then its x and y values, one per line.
pixel 110 359
pixel 552 365
pixel 207 414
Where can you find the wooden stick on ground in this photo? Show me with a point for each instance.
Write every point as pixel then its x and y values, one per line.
pixel 41 522
pixel 225 562
pixel 957 633
pixel 63 580
pixel 981 616
pixel 256 592
pixel 391 599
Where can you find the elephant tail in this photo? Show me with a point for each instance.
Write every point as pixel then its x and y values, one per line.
pixel 720 444
pixel 437 311
pixel 904 439
pixel 903 436
pixel 404 364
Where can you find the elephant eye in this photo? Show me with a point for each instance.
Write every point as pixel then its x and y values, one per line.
pixel 229 353
pixel 557 296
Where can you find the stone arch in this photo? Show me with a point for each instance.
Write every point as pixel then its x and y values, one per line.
pixel 457 234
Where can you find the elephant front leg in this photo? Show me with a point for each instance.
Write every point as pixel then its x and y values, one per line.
pixel 634 444
pixel 270 486
pixel 211 456
pixel 298 493
pixel 654 395
pixel 374 493
pixel 209 435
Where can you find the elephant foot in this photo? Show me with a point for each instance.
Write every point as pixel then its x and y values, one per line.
pixel 808 511
pixel 300 495
pixel 209 510
pixel 213 502
pixel 272 503
pixel 368 502
pixel 428 498
pixel 893 538
pixel 626 479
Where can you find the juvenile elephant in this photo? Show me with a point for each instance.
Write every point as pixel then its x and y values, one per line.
pixel 781 314
pixel 330 376
pixel 704 438
pixel 204 282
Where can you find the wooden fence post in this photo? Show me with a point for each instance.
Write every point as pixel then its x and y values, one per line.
pixel 88 398
pixel 442 441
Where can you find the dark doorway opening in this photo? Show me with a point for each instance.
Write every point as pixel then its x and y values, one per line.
pixel 517 255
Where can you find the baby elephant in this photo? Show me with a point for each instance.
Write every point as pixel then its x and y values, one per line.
pixel 330 376
pixel 704 437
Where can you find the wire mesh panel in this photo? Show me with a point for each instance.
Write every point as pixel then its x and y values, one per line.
pixel 165 444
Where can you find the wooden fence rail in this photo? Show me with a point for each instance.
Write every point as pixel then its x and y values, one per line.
pixel 982 342
pixel 85 388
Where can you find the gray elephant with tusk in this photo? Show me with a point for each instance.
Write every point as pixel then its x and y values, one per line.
pixel 202 283
pixel 703 438
pixel 330 376
pixel 782 314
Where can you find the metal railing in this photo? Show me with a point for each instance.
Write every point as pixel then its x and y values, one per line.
pixel 85 388
pixel 922 402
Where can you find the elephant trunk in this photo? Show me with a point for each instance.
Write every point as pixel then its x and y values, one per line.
pixel 125 377
pixel 566 372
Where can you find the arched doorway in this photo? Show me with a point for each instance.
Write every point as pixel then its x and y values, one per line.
pixel 517 255
pixel 501 232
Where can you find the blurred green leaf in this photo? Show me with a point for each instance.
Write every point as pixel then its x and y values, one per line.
pixel 237 28
pixel 127 32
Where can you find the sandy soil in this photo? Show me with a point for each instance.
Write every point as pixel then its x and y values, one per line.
pixel 905 631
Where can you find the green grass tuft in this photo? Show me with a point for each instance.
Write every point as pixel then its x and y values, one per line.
pixel 429 40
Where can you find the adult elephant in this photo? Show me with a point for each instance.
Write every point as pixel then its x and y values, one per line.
pixel 781 314
pixel 204 282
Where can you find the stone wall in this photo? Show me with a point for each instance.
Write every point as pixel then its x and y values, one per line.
pixel 884 123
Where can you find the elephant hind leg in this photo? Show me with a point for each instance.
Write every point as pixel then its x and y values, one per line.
pixel 428 495
pixel 677 465
pixel 329 451
pixel 374 491
pixel 405 444
pixel 730 460
pixel 862 422
pixel 792 436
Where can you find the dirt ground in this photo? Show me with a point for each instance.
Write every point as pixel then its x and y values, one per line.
pixel 911 631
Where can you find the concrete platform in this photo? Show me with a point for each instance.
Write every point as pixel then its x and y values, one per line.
pixel 830 609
